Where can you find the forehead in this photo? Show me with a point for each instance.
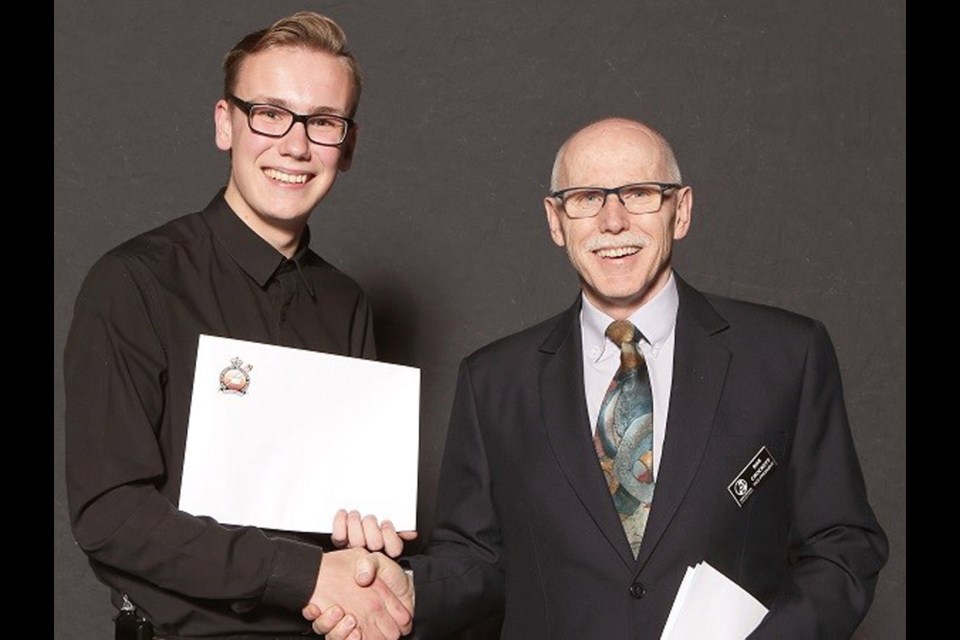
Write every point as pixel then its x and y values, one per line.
pixel 296 77
pixel 612 155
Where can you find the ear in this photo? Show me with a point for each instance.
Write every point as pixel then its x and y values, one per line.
pixel 224 126
pixel 554 221
pixel 347 148
pixel 681 218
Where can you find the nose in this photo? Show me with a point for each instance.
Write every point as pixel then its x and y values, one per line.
pixel 613 216
pixel 296 144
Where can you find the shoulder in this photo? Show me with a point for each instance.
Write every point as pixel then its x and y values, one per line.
pixel 769 347
pixel 152 250
pixel 719 314
pixel 758 316
pixel 155 247
pixel 141 259
pixel 749 327
pixel 528 345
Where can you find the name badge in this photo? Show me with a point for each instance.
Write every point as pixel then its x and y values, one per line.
pixel 752 475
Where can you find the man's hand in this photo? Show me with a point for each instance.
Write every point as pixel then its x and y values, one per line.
pixel 377 567
pixel 349 530
pixel 374 567
pixel 372 590
pixel 333 623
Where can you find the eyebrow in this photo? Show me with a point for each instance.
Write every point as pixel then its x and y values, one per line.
pixel 280 102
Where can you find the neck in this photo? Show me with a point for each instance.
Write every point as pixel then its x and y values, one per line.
pixel 286 241
pixel 282 235
pixel 623 308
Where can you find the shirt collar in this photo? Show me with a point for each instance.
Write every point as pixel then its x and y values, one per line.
pixel 655 320
pixel 257 257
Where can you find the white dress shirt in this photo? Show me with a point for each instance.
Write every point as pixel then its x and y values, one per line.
pixel 656 320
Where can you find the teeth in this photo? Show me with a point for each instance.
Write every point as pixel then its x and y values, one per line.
pixel 289 178
pixel 617 252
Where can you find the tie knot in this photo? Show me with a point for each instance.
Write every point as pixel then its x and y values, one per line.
pixel 623 332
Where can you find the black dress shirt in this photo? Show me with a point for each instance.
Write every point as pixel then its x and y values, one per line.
pixel 128 368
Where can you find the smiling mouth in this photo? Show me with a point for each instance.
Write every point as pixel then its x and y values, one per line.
pixel 287 178
pixel 616 252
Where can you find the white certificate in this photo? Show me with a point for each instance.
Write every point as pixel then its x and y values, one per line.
pixel 281 438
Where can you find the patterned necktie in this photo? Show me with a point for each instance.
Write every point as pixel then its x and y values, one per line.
pixel 624 438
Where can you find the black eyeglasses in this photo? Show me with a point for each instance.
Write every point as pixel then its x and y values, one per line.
pixel 275 122
pixel 638 198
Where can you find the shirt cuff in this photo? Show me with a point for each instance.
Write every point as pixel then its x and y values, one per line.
pixel 294 575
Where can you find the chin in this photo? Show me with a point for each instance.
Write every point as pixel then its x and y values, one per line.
pixel 290 210
pixel 623 295
pixel 282 216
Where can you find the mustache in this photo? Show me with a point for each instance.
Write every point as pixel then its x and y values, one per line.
pixel 625 239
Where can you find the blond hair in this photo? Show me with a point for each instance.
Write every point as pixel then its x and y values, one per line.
pixel 303 29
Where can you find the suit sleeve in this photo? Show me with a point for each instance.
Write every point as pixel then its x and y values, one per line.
pixel 114 370
pixel 836 547
pixel 459 579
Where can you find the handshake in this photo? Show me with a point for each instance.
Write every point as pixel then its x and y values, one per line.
pixel 360 592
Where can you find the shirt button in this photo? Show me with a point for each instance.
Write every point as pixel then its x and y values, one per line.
pixel 637 591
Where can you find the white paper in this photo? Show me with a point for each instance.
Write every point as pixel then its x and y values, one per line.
pixel 312 433
pixel 678 601
pixel 710 605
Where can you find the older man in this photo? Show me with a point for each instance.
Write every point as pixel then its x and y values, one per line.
pixel 241 268
pixel 593 457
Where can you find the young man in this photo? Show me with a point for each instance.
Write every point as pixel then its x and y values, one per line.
pixel 241 268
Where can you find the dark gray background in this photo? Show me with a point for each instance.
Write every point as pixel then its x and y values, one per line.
pixel 788 118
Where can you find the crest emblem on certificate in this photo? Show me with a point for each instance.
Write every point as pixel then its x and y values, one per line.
pixel 236 377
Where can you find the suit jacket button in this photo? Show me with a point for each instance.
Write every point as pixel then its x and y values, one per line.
pixel 637 591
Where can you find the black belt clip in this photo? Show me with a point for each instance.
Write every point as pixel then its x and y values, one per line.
pixel 130 625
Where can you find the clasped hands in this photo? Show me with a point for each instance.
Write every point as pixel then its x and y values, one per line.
pixel 360 592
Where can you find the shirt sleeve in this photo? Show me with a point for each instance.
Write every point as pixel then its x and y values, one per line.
pixel 115 371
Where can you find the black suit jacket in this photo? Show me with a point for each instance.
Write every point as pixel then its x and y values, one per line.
pixel 524 518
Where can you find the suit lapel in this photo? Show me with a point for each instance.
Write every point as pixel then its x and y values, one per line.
pixel 699 371
pixel 568 430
